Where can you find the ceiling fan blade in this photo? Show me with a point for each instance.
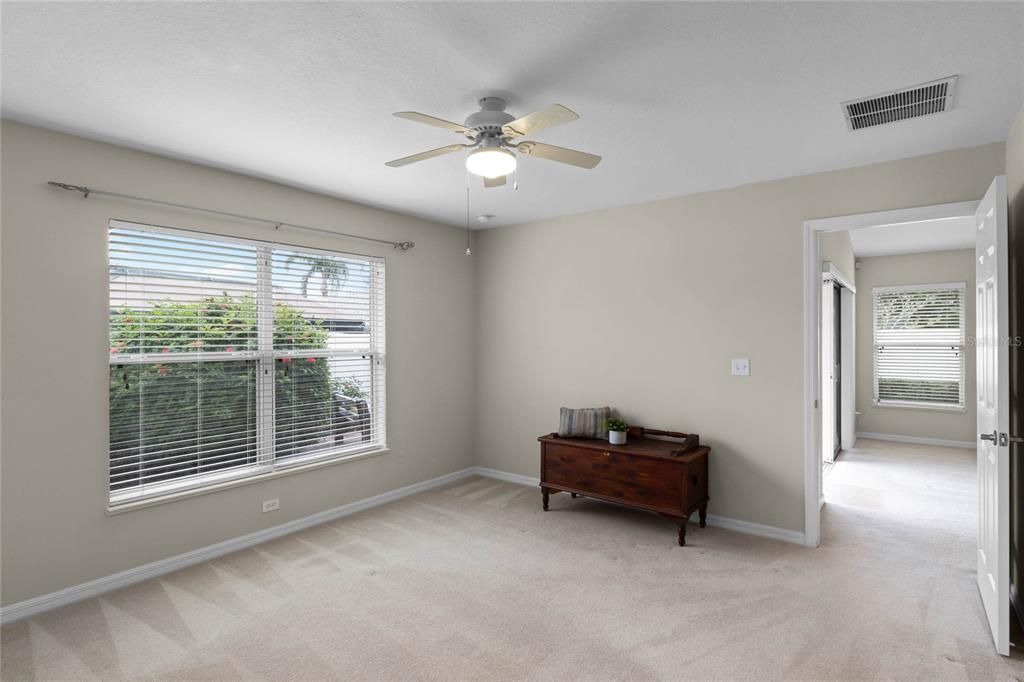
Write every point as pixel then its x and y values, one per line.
pixel 423 156
pixel 548 117
pixel 434 121
pixel 560 154
pixel 494 182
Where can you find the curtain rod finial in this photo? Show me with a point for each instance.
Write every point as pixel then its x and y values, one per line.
pixel 73 188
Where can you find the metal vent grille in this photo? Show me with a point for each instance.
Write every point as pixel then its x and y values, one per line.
pixel 898 105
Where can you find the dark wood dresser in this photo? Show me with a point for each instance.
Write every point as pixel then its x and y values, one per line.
pixel 665 477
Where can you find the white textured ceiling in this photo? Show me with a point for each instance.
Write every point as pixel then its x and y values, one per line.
pixel 921 237
pixel 677 97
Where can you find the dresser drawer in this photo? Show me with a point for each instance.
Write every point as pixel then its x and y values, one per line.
pixel 656 483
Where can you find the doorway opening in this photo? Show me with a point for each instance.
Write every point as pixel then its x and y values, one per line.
pixel 895 363
pixel 925 319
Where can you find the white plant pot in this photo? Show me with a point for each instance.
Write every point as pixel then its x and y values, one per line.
pixel 617 437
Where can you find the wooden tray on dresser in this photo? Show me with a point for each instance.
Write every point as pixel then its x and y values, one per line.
pixel 665 477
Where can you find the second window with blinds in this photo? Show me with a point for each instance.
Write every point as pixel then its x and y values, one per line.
pixel 231 359
pixel 919 346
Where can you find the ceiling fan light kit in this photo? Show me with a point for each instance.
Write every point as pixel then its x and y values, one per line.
pixel 490 162
pixel 492 135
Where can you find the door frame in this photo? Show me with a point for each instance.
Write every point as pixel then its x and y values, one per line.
pixel 831 401
pixel 812 333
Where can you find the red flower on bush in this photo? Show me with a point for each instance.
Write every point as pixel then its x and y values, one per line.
pixel 165 349
pixel 286 359
pixel 230 349
pixel 310 359
pixel 162 370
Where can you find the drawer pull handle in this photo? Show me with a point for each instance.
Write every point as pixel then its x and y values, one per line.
pixel 607 454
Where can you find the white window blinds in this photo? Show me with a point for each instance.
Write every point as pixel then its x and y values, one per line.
pixel 919 345
pixel 232 358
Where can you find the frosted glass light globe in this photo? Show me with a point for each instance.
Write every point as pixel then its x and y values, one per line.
pixel 490 162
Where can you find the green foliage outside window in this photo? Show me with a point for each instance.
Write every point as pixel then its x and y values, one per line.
pixel 175 419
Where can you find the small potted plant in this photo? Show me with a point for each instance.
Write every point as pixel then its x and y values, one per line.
pixel 616 431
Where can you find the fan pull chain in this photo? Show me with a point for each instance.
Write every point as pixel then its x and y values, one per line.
pixel 469 252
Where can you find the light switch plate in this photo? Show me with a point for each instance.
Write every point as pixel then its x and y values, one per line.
pixel 741 367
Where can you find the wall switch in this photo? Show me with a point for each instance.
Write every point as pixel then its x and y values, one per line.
pixel 741 367
pixel 271 505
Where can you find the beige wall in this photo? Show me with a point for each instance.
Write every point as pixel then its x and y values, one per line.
pixel 837 247
pixel 918 268
pixel 54 310
pixel 642 307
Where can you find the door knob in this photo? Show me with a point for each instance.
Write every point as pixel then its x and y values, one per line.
pixel 988 436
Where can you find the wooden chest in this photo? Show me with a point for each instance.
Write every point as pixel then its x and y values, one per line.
pixel 646 473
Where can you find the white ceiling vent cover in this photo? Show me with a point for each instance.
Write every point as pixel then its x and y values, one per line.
pixel 898 105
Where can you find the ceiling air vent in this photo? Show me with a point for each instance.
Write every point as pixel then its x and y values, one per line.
pixel 898 105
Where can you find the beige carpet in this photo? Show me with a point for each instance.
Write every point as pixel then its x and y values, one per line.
pixel 475 581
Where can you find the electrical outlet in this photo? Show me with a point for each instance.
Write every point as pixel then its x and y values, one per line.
pixel 741 367
pixel 271 505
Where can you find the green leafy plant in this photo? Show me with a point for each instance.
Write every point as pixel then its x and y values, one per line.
pixel 351 388
pixel 615 425
pixel 156 430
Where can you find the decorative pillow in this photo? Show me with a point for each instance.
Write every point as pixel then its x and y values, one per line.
pixel 587 422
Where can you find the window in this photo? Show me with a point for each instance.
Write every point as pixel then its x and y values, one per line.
pixel 233 358
pixel 919 346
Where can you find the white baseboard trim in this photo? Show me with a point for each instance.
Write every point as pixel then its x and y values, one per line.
pixel 748 527
pixel 758 529
pixel 53 600
pixel 917 440
pixel 506 476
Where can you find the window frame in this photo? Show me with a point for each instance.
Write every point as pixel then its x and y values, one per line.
pixel 265 358
pixel 961 347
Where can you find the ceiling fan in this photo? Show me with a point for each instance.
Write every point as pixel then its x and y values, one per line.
pixel 494 138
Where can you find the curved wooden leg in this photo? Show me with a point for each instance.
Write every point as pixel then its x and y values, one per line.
pixel 704 515
pixel 682 534
pixel 544 493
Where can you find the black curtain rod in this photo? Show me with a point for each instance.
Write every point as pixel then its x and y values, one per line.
pixel 277 224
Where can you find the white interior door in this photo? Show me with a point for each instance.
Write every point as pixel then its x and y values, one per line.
pixel 828 379
pixel 847 364
pixel 993 412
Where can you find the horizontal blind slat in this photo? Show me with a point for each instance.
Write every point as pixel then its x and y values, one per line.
pixel 919 344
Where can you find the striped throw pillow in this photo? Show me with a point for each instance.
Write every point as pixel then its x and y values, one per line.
pixel 587 422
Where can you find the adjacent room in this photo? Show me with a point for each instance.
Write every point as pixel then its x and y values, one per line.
pixel 898 369
pixel 431 340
